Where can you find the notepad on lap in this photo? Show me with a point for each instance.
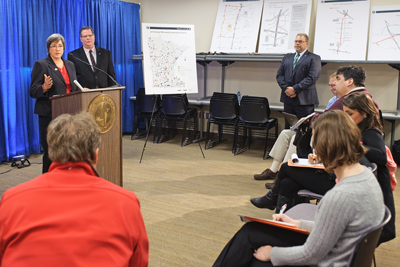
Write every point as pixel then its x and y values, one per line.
pixel 295 161
pixel 284 225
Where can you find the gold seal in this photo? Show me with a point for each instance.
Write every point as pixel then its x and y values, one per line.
pixel 104 112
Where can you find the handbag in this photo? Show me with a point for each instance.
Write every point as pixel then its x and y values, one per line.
pixel 302 140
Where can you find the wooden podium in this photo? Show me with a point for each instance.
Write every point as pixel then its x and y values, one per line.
pixel 109 165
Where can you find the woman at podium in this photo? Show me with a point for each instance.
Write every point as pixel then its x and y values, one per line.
pixel 50 76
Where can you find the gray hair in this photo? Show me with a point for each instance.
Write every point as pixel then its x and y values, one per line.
pixel 303 34
pixel 55 37
pixel 73 138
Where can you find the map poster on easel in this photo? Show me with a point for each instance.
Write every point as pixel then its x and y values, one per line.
pixel 341 30
pixel 236 26
pixel 281 22
pixel 169 59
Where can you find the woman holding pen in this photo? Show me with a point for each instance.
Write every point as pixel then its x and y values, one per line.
pixel 349 210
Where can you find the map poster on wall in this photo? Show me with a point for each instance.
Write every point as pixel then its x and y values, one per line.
pixel 236 26
pixel 384 33
pixel 281 22
pixel 169 59
pixel 341 30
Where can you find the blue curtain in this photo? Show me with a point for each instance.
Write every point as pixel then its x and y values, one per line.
pixel 24 28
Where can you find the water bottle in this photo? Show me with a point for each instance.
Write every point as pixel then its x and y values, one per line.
pixel 239 96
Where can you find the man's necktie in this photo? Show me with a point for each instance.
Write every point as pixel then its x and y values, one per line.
pixel 296 58
pixel 92 59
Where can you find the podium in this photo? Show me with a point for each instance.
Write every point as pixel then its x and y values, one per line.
pixel 105 104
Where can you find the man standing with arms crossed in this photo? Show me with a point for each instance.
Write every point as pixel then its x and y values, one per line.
pixel 88 56
pixel 297 76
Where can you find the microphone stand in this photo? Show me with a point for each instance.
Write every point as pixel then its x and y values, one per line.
pixel 108 75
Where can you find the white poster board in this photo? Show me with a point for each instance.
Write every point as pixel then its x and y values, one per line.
pixel 384 33
pixel 236 26
pixel 281 22
pixel 169 58
pixel 341 30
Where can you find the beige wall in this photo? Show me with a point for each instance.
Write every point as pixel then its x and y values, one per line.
pixel 258 78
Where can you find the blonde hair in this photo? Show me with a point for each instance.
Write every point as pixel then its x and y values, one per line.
pixel 73 138
pixel 337 140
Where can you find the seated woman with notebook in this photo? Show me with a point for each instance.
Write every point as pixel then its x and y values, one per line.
pixel 363 112
pixel 292 179
pixel 349 210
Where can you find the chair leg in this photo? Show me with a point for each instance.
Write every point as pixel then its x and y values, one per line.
pixel 183 143
pixel 235 140
pixel 134 126
pixel 266 144
pixel 220 129
pixel 158 131
pixel 206 146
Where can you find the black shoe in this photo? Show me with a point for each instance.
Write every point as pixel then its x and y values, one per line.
pixel 264 202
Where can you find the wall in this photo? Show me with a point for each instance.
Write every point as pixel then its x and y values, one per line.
pixel 258 78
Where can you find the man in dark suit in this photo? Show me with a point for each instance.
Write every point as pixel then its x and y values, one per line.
pixel 296 76
pixel 94 56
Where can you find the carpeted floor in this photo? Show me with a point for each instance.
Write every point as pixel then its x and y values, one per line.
pixel 189 203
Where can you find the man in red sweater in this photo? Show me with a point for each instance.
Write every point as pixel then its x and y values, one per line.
pixel 70 216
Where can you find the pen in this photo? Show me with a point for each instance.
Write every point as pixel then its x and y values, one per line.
pixel 313 152
pixel 283 209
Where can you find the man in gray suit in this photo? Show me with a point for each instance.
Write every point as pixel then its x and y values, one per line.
pixel 296 76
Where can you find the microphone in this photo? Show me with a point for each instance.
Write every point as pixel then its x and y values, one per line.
pixel 79 85
pixel 109 76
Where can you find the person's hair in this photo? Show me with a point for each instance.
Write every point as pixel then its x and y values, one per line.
pixel 55 37
pixel 85 28
pixel 353 72
pixel 363 103
pixel 73 138
pixel 303 34
pixel 337 140
pixel 333 75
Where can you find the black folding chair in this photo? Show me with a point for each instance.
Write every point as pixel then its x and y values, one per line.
pixel 147 107
pixel 224 109
pixel 254 114
pixel 174 108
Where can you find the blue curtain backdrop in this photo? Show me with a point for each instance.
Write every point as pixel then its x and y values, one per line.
pixel 24 28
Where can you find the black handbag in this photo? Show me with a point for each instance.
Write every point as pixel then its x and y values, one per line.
pixel 302 140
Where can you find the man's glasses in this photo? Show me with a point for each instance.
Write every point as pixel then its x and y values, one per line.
pixel 299 41
pixel 331 85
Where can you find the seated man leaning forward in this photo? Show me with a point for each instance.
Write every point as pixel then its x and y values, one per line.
pixel 69 216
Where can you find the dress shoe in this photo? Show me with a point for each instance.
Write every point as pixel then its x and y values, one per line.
pixel 265 175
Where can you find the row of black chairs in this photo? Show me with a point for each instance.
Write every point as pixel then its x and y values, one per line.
pixel 250 117
pixel 252 114
pixel 166 114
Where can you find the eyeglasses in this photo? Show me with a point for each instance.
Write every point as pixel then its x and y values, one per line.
pixel 331 85
pixel 300 41
pixel 85 36
pixel 57 46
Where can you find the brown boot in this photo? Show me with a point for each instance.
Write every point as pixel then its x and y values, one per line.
pixel 265 175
